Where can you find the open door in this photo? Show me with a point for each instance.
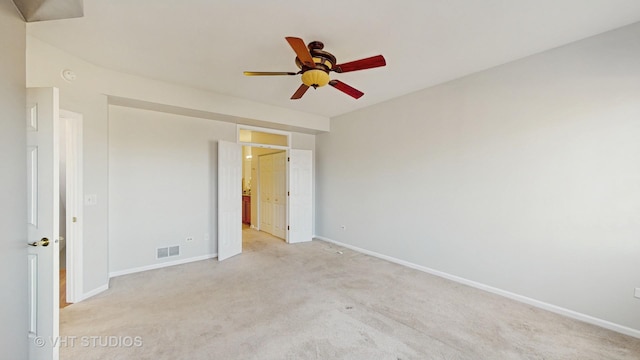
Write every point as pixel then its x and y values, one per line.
pixel 43 201
pixel 300 196
pixel 229 199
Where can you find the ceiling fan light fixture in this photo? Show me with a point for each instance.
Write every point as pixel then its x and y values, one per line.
pixel 315 78
pixel 315 65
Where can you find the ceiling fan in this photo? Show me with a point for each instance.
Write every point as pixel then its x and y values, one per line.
pixel 315 65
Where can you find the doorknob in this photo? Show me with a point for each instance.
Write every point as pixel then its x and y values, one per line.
pixel 43 242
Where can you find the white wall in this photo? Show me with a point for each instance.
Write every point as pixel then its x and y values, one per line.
pixel 45 64
pixel 162 181
pixel 303 141
pixel 13 178
pixel 163 185
pixel 524 177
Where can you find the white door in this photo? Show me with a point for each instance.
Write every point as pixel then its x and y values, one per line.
pixel 273 201
pixel 43 201
pixel 300 196
pixel 279 177
pixel 229 199
pixel 265 165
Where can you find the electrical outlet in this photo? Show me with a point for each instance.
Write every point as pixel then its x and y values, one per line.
pixel 189 239
pixel 343 227
pixel 637 293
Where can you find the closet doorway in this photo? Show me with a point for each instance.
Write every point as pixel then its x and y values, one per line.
pixel 265 189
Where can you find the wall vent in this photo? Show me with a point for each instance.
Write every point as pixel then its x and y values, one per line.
pixel 170 251
pixel 174 250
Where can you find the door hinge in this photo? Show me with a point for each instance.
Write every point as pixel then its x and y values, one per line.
pixel 288 193
pixel 288 228
pixel 288 159
pixel 74 219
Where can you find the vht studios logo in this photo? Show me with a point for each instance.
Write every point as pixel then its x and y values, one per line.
pixel 90 341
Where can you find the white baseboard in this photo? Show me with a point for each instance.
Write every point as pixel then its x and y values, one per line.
pixel 161 265
pixel 93 292
pixel 533 302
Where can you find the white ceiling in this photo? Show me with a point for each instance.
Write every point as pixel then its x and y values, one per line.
pixel 207 44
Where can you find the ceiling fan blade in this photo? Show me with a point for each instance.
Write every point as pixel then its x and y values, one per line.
pixel 301 90
pixel 353 92
pixel 368 63
pixel 301 50
pixel 268 73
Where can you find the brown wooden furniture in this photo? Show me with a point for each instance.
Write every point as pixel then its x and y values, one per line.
pixel 246 209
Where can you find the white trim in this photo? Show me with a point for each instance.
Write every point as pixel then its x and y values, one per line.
pixel 264 130
pixel 93 292
pixel 161 265
pixel 529 301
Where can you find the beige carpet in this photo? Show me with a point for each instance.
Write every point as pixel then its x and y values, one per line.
pixel 317 301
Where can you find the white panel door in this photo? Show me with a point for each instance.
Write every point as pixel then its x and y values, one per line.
pixel 300 196
pixel 265 166
pixel 279 179
pixel 229 199
pixel 43 222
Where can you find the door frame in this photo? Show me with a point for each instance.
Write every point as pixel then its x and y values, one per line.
pixel 268 146
pixel 288 152
pixel 240 127
pixel 72 124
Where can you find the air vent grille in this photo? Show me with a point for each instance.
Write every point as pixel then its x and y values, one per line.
pixel 169 251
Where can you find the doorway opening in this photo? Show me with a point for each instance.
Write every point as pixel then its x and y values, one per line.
pixel 298 204
pixel 264 180
pixel 70 206
pixel 264 191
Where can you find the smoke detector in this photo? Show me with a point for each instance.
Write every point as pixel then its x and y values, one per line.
pixel 68 75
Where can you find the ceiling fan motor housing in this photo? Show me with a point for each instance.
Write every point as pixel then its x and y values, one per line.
pixel 324 62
